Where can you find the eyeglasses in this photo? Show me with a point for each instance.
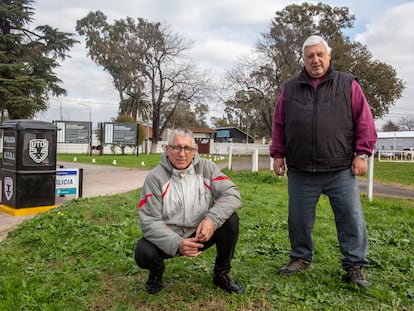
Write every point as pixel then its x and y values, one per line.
pixel 178 148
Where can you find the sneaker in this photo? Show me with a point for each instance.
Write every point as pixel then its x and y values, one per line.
pixel 296 265
pixel 226 283
pixel 356 275
pixel 154 282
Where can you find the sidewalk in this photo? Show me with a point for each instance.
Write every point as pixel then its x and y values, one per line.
pixel 97 180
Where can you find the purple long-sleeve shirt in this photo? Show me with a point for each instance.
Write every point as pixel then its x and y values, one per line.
pixel 364 126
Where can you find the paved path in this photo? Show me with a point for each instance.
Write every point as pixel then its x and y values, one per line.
pixel 379 189
pixel 97 180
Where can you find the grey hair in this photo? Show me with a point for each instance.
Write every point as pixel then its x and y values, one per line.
pixel 313 40
pixel 182 132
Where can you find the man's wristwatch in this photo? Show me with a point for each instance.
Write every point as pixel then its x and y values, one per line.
pixel 363 156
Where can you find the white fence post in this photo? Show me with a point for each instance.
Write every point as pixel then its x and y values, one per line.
pixel 255 160
pixel 370 177
pixel 230 156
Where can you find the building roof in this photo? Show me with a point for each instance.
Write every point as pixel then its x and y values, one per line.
pixel 202 130
pixel 396 134
pixel 228 128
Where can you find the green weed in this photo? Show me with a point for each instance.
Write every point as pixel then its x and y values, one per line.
pixel 80 256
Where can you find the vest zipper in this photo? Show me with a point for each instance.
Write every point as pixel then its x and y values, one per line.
pixel 314 117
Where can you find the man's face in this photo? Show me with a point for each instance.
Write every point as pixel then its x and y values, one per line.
pixel 316 60
pixel 181 151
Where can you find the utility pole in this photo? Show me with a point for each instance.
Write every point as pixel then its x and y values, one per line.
pixel 90 127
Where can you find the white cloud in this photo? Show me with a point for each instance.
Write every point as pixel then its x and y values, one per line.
pixel 389 38
pixel 219 54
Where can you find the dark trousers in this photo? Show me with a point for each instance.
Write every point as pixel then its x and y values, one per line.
pixel 150 257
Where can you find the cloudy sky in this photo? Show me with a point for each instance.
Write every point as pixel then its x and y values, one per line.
pixel 222 31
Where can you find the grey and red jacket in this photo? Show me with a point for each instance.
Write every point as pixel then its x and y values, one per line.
pixel 320 125
pixel 173 202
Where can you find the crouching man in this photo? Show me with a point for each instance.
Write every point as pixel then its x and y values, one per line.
pixel 187 204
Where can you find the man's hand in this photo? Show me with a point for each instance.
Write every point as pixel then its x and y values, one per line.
pixel 279 166
pixel 205 230
pixel 359 166
pixel 189 247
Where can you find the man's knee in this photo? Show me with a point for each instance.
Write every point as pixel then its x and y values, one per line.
pixel 146 254
pixel 231 226
pixel 233 222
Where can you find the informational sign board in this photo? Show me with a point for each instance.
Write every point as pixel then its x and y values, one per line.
pixel 73 132
pixel 67 181
pixel 120 133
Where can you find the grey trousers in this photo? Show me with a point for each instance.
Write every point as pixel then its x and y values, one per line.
pixel 341 187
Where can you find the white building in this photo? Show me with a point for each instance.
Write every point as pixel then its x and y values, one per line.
pixel 395 140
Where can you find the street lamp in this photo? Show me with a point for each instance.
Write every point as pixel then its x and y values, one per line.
pixel 90 127
pixel 60 110
pixel 60 107
pixel 147 112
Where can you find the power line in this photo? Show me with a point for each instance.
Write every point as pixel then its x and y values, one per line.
pixel 77 100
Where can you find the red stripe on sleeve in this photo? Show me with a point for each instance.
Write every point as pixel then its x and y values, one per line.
pixel 166 189
pixel 144 200
pixel 220 178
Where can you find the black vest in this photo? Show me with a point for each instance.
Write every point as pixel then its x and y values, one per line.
pixel 318 123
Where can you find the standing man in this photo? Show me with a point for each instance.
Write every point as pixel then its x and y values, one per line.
pixel 187 204
pixel 324 131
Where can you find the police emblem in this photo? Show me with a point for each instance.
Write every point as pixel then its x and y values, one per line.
pixel 8 187
pixel 38 149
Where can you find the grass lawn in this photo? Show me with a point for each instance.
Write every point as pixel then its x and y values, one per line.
pixel 149 160
pixel 393 173
pixel 80 257
pixel 142 161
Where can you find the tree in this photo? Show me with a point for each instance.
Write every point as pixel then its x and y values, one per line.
pixel 390 127
pixel 28 59
pixel 221 122
pixel 278 57
pixel 379 80
pixel 242 110
pixel 148 65
pixel 186 116
pixel 253 102
pixel 406 124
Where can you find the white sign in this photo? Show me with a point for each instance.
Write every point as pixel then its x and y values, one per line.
pixel 67 181
pixel 8 187
pixel 38 149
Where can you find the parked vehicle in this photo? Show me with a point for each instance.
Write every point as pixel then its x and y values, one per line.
pixel 408 153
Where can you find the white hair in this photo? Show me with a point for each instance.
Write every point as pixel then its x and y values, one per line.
pixel 313 40
pixel 182 132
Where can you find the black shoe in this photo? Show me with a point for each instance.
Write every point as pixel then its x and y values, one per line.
pixel 225 282
pixel 154 282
